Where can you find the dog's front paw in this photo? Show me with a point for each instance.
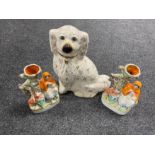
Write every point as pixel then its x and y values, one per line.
pixel 62 89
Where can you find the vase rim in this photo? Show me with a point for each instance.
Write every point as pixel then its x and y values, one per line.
pixel 132 70
pixel 32 70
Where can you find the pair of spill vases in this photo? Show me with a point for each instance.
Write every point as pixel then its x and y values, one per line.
pixel 43 92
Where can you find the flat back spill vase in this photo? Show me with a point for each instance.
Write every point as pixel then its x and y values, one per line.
pixel 124 94
pixel 43 93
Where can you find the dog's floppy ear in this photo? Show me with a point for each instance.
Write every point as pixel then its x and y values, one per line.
pixel 84 44
pixel 52 39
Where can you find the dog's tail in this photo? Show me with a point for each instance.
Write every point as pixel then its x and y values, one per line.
pixel 101 82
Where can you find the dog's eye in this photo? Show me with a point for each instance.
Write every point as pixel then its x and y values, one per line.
pixel 62 37
pixel 74 39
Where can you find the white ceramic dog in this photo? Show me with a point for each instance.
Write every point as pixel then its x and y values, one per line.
pixel 76 71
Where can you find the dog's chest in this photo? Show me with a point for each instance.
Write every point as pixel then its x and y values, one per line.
pixel 66 70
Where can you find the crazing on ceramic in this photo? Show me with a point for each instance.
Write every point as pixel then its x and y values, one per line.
pixel 43 93
pixel 76 72
pixel 124 94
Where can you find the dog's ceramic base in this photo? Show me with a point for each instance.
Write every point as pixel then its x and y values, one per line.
pixel 47 105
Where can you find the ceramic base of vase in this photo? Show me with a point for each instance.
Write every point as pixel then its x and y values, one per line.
pixel 47 105
pixel 114 105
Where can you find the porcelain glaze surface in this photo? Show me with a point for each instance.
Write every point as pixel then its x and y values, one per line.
pixel 76 72
pixel 125 91
pixel 43 93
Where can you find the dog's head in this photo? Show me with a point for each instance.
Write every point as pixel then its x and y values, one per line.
pixel 68 41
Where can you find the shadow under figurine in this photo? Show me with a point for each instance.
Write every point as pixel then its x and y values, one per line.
pixel 125 92
pixel 43 93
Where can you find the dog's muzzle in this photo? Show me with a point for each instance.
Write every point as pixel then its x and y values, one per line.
pixel 67 48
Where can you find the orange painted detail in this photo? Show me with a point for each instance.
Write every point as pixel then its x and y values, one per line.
pixel 135 87
pixel 138 83
pixel 132 70
pixel 127 89
pixel 45 80
pixel 31 101
pixel 111 91
pixel 32 69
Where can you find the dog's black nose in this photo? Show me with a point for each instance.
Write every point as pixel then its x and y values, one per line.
pixel 67 48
